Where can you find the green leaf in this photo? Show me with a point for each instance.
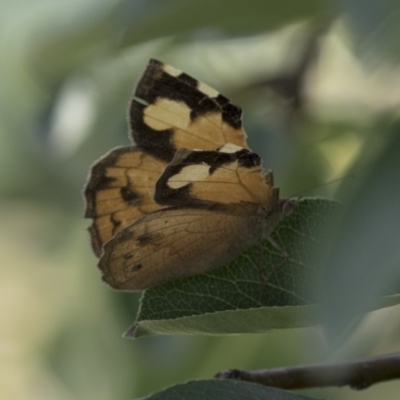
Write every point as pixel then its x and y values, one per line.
pixel 254 320
pixel 262 276
pixel 259 291
pixel 221 390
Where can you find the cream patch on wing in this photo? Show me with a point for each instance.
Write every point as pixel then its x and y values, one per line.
pixel 227 184
pixel 208 90
pixel 229 148
pixel 204 132
pixel 166 113
pixel 191 173
pixel 204 88
pixel 171 70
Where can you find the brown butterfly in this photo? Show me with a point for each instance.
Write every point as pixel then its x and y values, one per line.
pixel 162 209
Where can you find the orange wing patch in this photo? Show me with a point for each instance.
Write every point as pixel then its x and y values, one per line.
pixel 120 189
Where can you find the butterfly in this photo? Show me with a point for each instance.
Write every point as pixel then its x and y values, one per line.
pixel 189 195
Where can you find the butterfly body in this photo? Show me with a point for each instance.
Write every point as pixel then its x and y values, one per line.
pixel 163 210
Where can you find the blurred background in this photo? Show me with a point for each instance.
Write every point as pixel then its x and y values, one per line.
pixel 319 84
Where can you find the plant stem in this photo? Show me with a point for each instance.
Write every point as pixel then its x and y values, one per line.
pixel 358 374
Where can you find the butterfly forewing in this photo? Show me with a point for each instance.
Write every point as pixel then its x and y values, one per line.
pixel 120 189
pixel 171 110
pixel 227 176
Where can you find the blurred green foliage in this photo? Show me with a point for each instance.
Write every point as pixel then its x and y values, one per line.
pixel 66 75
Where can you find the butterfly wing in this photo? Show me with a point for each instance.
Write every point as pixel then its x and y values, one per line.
pixel 120 189
pixel 177 242
pixel 227 176
pixel 171 110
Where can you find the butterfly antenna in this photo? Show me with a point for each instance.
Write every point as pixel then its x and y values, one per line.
pixel 323 184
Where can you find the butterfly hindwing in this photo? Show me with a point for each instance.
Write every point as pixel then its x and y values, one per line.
pixel 177 242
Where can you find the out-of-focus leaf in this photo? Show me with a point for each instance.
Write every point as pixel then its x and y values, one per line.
pixel 364 259
pixel 221 390
pixel 233 16
pixel 376 25
pixel 86 34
